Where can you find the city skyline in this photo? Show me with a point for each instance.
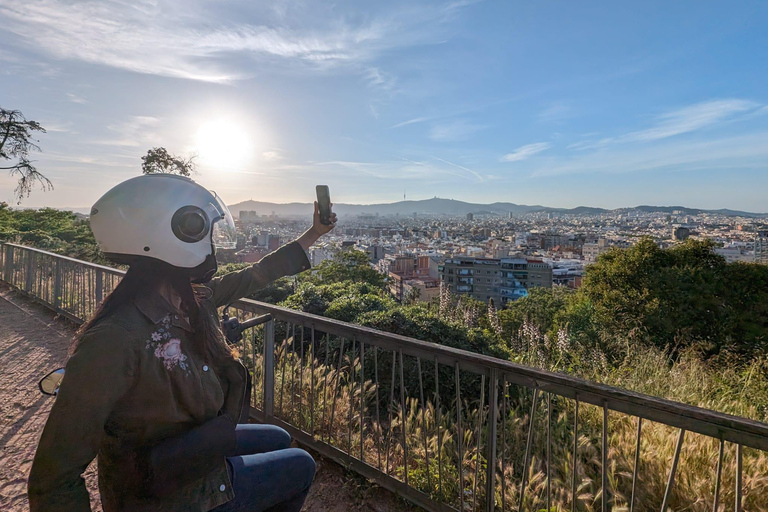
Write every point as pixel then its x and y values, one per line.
pixel 562 105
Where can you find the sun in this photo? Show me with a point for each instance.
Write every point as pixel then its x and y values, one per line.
pixel 223 144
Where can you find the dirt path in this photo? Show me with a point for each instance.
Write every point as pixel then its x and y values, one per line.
pixel 33 342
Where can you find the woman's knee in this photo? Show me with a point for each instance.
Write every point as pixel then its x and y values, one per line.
pixel 260 438
pixel 304 465
pixel 280 438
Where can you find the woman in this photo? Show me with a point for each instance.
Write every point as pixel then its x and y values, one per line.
pixel 152 387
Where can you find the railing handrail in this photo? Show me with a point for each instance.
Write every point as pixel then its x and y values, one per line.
pixel 88 264
pixel 711 423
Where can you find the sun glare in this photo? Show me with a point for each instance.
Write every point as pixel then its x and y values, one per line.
pixel 223 144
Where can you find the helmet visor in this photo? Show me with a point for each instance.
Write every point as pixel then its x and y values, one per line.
pixel 224 233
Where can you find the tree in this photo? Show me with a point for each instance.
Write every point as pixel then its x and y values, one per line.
pixel 413 295
pixel 679 297
pixel 15 144
pixel 349 265
pixel 160 161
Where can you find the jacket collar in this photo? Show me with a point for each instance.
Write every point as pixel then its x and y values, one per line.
pixel 156 308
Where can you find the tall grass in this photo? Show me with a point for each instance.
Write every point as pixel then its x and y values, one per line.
pixel 444 453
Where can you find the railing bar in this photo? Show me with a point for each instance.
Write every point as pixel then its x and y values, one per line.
pixel 636 469
pixel 25 248
pixel 300 418
pixel 575 449
pixel 459 437
pixel 718 476
pixel 505 390
pixel 491 445
pixel 39 287
pixel 253 363
pixel 336 390
pixel 477 435
pixel 391 405
pixel 325 384
pixel 72 291
pixel 82 295
pixel 293 374
pixel 528 445
pixel 438 419
pixel 549 451
pixel 243 350
pixel 282 373
pixel 673 470
pixel 351 395
pixel 739 483
pixel 604 500
pixel 362 397
pixel 313 355
pixel 424 424
pixel 378 416
pixel 57 285
pixel 404 425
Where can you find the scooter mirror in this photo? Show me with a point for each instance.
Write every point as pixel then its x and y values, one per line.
pixel 49 385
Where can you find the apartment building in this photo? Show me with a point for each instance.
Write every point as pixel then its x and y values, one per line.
pixel 503 280
pixel 406 272
pixel 591 250
pixel 761 247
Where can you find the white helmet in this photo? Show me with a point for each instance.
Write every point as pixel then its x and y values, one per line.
pixel 165 217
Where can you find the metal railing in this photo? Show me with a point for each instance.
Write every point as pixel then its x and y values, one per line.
pixel 449 429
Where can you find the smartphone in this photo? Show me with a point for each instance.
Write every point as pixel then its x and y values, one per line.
pixel 324 203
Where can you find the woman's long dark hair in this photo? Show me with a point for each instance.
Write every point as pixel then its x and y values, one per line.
pixel 145 276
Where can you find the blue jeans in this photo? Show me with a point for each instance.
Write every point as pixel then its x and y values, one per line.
pixel 266 473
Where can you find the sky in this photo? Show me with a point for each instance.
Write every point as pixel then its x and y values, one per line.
pixel 558 103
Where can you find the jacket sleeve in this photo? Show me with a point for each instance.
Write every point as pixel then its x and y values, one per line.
pixel 98 374
pixel 288 260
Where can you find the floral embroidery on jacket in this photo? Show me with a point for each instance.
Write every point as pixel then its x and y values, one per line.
pixel 166 348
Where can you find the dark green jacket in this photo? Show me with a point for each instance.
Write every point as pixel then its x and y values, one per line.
pixel 134 381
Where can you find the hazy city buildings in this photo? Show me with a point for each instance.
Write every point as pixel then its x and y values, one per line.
pixel 496 255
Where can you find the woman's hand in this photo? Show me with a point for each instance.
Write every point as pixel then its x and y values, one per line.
pixel 317 230
pixel 320 228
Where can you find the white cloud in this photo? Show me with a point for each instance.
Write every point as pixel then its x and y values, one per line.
pixel 556 113
pixel 477 175
pixel 413 171
pixel 454 131
pixel 691 118
pixel 137 131
pixel 74 98
pixel 525 152
pixel 684 120
pixel 411 121
pixel 185 39
pixel 737 152
pixel 271 155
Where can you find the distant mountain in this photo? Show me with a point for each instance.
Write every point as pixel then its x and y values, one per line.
pixel 452 207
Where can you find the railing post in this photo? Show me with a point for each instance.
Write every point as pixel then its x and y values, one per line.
pixel 57 284
pixel 99 287
pixel 8 264
pixel 269 370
